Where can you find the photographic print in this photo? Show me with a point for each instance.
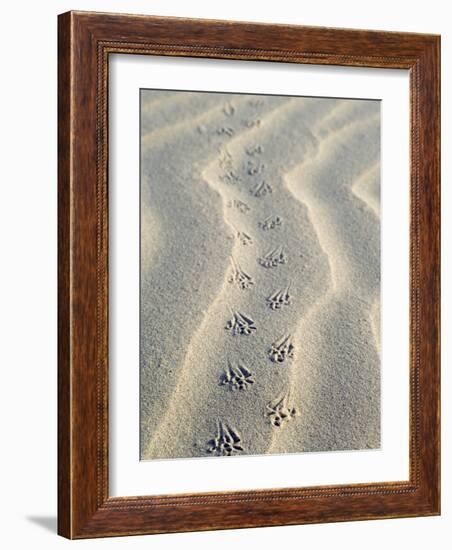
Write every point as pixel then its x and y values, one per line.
pixel 259 274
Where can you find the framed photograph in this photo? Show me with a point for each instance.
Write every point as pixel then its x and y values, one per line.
pixel 249 263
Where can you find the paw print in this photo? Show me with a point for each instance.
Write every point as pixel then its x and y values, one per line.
pixel 239 277
pixel 280 411
pixel 256 103
pixel 252 123
pixel 282 349
pixel 226 443
pixel 229 175
pixel 273 258
pixel 237 378
pixel 225 131
pixel 279 299
pixel 254 150
pixel 243 238
pixel 272 222
pixel 240 324
pixel 254 168
pixel 261 189
pixel 241 206
pixel 229 109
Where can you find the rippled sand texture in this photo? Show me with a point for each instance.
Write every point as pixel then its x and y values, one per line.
pixel 260 274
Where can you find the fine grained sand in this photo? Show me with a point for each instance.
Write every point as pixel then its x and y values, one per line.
pixel 214 168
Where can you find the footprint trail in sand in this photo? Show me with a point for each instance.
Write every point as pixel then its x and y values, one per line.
pixel 260 275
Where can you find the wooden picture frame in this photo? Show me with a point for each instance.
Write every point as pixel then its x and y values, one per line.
pixel 85 42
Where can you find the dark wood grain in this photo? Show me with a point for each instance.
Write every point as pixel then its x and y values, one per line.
pixel 85 42
pixel 64 295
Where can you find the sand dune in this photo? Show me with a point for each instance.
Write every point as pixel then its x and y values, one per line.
pixel 260 288
pixel 176 110
pixel 367 188
pixel 338 383
pixel 179 284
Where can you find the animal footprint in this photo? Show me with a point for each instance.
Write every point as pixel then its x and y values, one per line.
pixel 256 103
pixel 225 130
pixel 280 410
pixel 226 443
pixel 254 150
pixel 272 222
pixel 238 378
pixel 279 298
pixel 230 177
pixel 229 109
pixel 281 350
pixel 225 161
pixel 244 238
pixel 240 324
pixel 241 206
pixel 254 168
pixel 273 258
pixel 252 123
pixel 239 277
pixel 261 189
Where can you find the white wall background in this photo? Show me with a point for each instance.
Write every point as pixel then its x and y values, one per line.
pixel 28 270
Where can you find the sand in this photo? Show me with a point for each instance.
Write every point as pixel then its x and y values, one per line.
pixel 260 275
